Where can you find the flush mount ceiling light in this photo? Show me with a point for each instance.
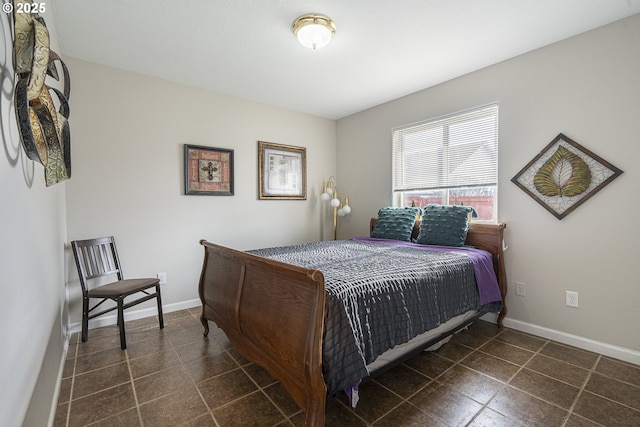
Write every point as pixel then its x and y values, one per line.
pixel 314 30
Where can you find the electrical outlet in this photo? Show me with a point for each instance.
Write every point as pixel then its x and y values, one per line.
pixel 520 289
pixel 163 278
pixel 572 299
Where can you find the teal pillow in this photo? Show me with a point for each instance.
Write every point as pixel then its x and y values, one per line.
pixel 395 223
pixel 444 225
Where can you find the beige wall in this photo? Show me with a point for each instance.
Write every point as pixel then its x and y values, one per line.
pixel 586 87
pixel 128 136
pixel 32 276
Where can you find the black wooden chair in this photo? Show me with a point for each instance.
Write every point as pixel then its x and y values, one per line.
pixel 97 258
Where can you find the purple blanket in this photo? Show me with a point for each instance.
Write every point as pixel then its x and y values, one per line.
pixel 487 282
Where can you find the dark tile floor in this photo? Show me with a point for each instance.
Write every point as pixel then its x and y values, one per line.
pixel 484 376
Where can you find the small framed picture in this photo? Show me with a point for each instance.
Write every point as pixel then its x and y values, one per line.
pixel 208 171
pixel 282 172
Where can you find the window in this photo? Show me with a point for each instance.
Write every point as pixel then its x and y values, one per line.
pixel 449 160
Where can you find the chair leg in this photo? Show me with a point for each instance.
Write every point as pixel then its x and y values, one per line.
pixel 123 339
pixel 85 318
pixel 160 318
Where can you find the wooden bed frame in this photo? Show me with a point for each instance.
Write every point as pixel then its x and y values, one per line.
pixel 273 312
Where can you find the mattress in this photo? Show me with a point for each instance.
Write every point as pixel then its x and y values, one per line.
pixel 381 294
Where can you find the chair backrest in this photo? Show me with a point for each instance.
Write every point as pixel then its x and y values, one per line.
pixel 95 258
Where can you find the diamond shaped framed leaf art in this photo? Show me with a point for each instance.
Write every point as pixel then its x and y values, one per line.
pixel 564 175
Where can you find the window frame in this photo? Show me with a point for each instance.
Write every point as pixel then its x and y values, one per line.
pixel 490 111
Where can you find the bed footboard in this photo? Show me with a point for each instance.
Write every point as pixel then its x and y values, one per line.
pixel 273 313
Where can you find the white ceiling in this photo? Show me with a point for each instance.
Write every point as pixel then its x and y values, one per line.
pixel 382 50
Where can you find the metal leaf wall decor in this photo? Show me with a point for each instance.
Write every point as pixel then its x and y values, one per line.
pixel 44 131
pixel 564 175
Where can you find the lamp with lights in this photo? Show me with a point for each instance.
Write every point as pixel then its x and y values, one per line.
pixel 340 208
pixel 314 30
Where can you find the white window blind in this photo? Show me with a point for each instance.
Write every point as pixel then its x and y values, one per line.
pixel 455 151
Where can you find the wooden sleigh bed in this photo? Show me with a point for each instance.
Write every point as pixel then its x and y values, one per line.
pixel 274 312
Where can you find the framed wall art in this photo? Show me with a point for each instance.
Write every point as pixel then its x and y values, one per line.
pixel 208 171
pixel 282 172
pixel 564 175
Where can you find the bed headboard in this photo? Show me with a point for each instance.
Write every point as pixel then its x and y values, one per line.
pixel 489 237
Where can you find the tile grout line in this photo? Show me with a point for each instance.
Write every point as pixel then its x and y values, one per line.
pixel 184 366
pixel 259 388
pixel 406 400
pixel 537 353
pixel 402 399
pixel 435 379
pixel 582 389
pixel 73 380
pixel 593 371
pixel 523 367
pixel 505 383
pixel 431 381
pixel 133 388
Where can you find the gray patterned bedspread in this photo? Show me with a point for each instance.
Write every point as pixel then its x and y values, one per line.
pixel 379 296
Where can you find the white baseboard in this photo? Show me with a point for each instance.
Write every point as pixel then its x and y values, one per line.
pixel 56 392
pixel 135 314
pixel 620 353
